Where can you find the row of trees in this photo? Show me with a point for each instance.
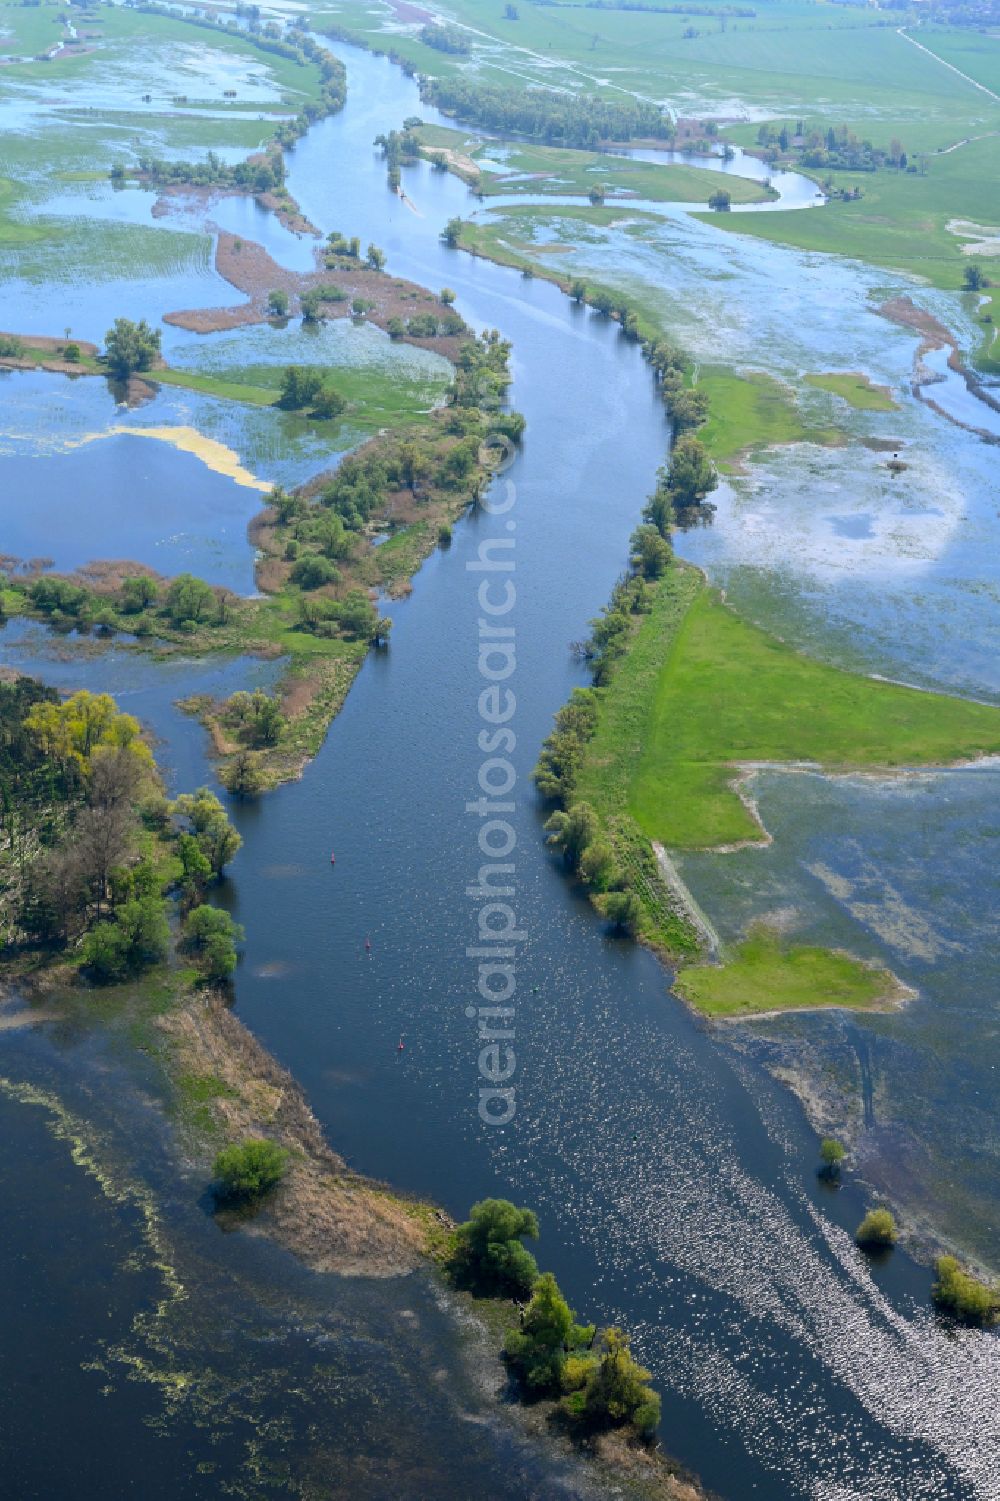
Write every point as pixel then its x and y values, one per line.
pixel 594 1377
pixel 544 115
pixel 141 604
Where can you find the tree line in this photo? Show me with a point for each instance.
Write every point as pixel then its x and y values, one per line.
pixel 543 115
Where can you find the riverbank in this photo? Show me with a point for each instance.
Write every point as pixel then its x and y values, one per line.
pixel 696 697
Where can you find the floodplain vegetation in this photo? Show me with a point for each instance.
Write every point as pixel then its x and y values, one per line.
pixel 319 562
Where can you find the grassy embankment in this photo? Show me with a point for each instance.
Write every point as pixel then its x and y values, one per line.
pixel 701 693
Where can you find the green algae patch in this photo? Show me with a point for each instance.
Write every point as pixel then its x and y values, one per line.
pixel 762 975
pixel 856 389
pixel 701 694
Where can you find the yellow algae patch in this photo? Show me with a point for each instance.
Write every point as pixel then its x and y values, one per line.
pixel 214 455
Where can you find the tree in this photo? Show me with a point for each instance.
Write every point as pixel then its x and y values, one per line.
pixel 486 1252
pixel 277 303
pixel 691 474
pixel 614 1390
pixel 189 600
pixel 578 290
pixel 572 831
pixel 651 552
pixel 327 404
pixel 510 12
pixel 623 910
pixel 207 820
pixel 375 258
pixel 299 387
pixel 447 296
pixel 452 232
pixel 547 1334
pixel 250 1170
pixel 131 346
pixel 721 200
pixel 72 730
pixel 72 353
pixel 243 777
pixel 877 1229
pixel 973 279
pixel 139 591
pixel 832 1155
pixel 313 571
pixel 138 937
pixel 211 936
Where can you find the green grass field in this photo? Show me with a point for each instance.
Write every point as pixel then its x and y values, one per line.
pixel 376 396
pixel 857 390
pixel 701 691
pixel 762 974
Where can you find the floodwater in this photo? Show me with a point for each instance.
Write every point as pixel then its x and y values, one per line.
pixel 673 1178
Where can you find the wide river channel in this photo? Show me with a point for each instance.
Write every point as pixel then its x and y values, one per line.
pixel 674 1181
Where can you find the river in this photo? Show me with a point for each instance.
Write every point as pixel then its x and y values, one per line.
pixel 674 1181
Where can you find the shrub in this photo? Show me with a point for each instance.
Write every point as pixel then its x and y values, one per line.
pixel 72 353
pixel 313 571
pixel 963 1295
pixel 277 304
pixel 832 1155
pixel 486 1252
pixel 878 1228
pixel 252 1169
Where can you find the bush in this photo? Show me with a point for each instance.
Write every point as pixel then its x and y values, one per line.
pixel 277 304
pixel 72 353
pixel 313 571
pixel 486 1252
pixel 877 1229
pixel 251 1170
pixel 832 1155
pixel 964 1296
